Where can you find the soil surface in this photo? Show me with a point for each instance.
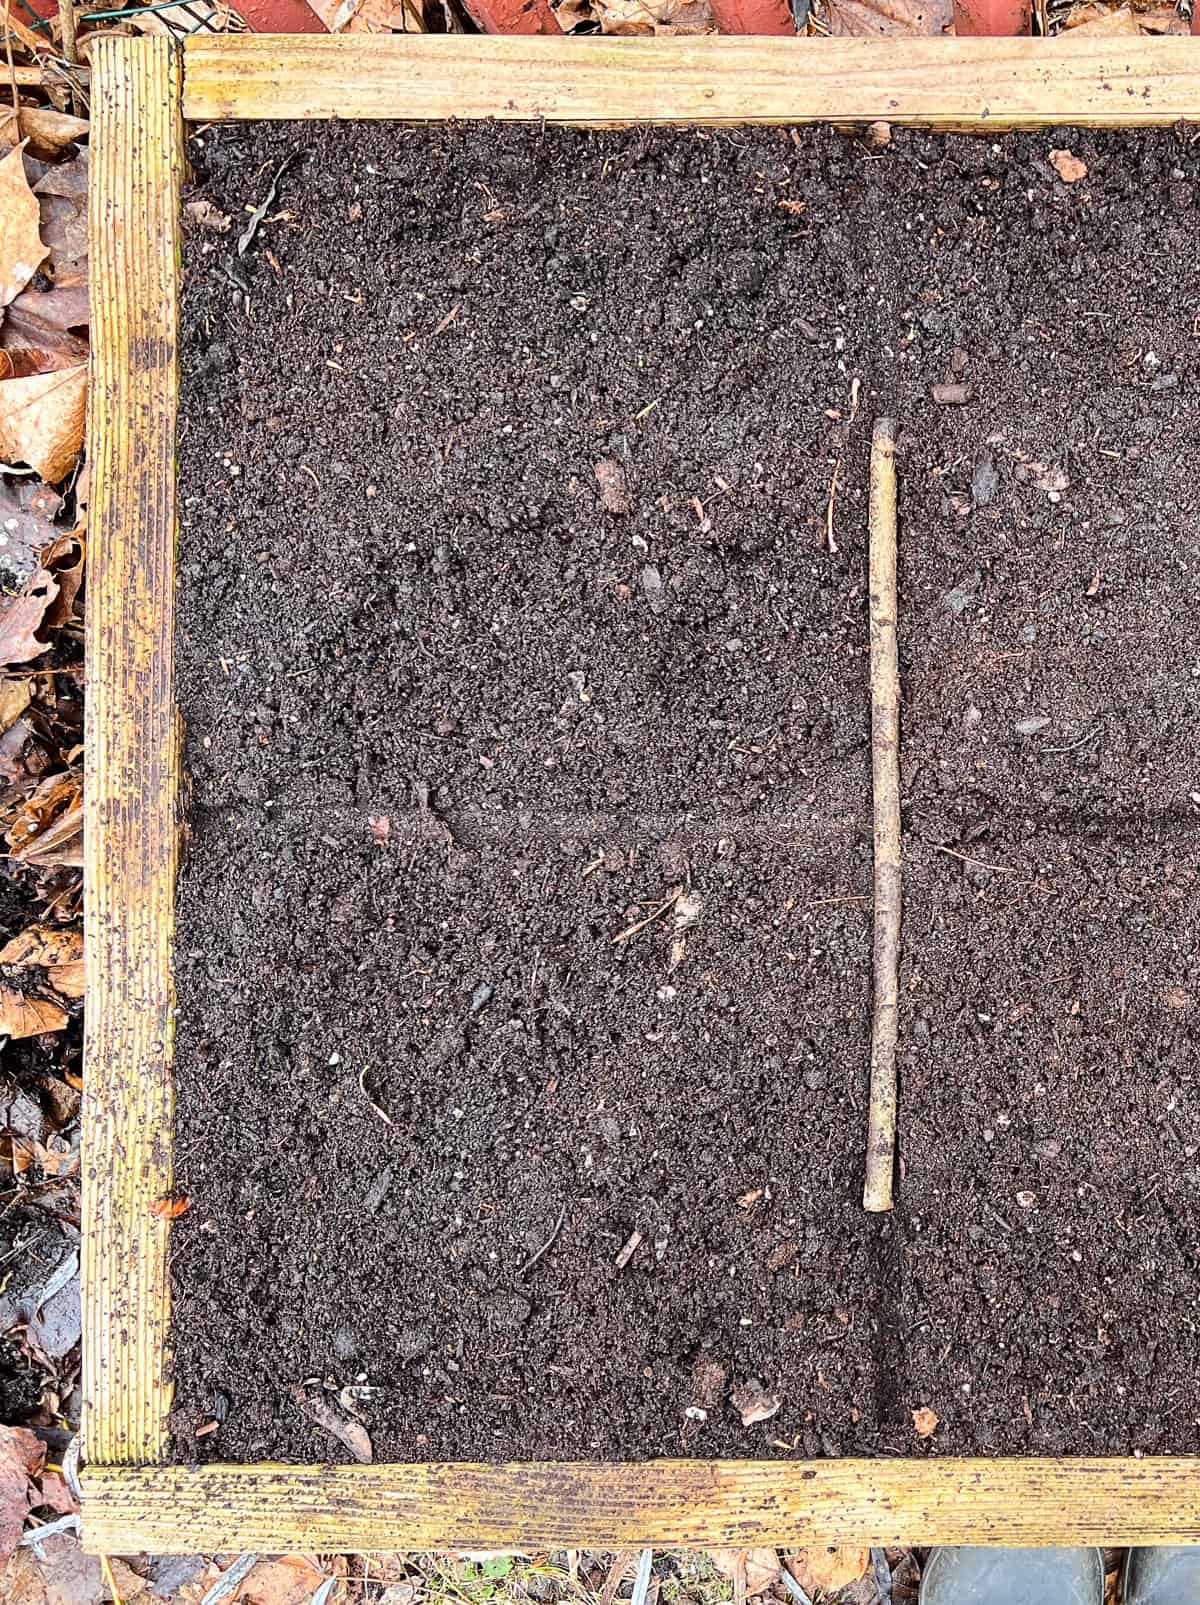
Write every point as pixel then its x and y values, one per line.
pixel 524 971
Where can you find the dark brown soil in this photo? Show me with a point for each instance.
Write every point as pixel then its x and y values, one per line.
pixel 508 615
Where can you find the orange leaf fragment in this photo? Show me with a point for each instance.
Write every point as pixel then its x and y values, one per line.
pixel 171 1207
pixel 926 1421
pixel 1068 166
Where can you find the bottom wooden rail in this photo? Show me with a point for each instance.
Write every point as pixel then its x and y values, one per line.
pixel 663 1503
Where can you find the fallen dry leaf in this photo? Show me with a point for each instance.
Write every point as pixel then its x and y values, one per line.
pixel 58 1573
pixel 1104 24
pixel 64 229
pixel 1068 167
pixel 21 617
pixel 31 345
pixel 57 1158
pixel 761 1567
pixel 754 1404
pixel 14 699
pixel 171 1207
pixel 22 1457
pixel 926 1421
pixel 53 796
pixel 48 132
pixel 283 1580
pixel 614 488
pixel 41 420
pixel 63 557
pixel 43 945
pixel 331 1419
pixel 638 16
pixel 22 1015
pixel 56 309
pixel 21 248
pixel 826 1568
pixel 55 1494
pixel 60 844
pixel 25 1009
pixel 874 19
pixel 205 215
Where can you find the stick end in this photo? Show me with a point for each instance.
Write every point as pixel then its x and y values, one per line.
pixel 877 1199
pixel 883 435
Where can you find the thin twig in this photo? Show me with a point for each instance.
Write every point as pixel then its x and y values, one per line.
pixel 964 858
pixel 110 1580
pixel 12 71
pixel 70 48
pixel 616 1576
pixel 885 785
pixel 547 1245
pixel 631 931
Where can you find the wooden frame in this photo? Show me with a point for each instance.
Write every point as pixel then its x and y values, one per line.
pixel 142 91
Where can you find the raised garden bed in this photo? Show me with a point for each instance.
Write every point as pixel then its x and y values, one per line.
pixel 494 639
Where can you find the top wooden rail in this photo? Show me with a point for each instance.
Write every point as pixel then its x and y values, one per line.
pixel 968 84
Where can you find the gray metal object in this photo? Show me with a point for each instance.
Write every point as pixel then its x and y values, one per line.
pixel 1162 1575
pixel 975 1576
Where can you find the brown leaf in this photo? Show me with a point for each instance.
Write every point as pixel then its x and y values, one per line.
pixel 56 1158
pixel 23 1015
pixel 1097 24
pixel 34 343
pixel 205 215
pixel 48 132
pixel 60 845
pixel 64 229
pixel 331 1419
pixel 628 17
pixel 754 1404
pixel 171 1207
pixel 55 1494
pixel 55 309
pixel 63 557
pixel 60 1574
pixel 21 248
pixel 21 617
pixel 14 699
pixel 925 1421
pixel 49 798
pixel 761 1567
pixel 874 19
pixel 22 1457
pixel 614 488
pixel 41 420
pixel 826 1568
pixel 43 945
pixel 282 1580
pixel 1068 167
pixel 21 1580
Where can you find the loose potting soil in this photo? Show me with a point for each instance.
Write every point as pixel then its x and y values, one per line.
pixel 524 942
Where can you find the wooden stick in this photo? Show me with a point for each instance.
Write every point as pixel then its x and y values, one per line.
pixel 979 85
pixel 131 748
pixel 885 779
pixel 671 1504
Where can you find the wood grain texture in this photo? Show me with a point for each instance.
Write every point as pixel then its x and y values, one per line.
pixel 940 83
pixel 131 744
pixel 665 1503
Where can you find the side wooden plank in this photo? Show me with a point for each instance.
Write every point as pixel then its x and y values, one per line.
pixel 131 745
pixel 666 1503
pixel 938 83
